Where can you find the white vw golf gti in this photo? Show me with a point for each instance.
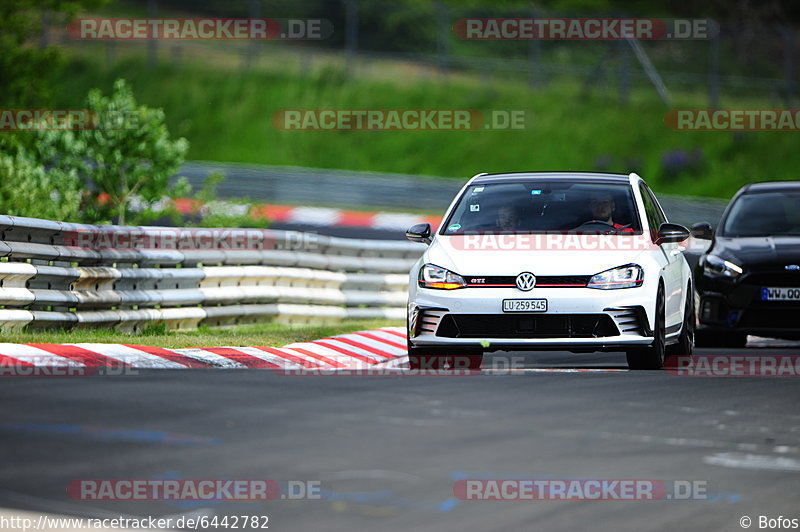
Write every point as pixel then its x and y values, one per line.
pixel 550 261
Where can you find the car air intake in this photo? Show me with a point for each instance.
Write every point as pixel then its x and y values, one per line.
pixel 526 326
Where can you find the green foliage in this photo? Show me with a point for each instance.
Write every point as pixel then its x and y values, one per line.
pixel 228 118
pixel 208 192
pixel 271 333
pixel 222 217
pixel 127 154
pixel 24 68
pixel 155 329
pixel 28 189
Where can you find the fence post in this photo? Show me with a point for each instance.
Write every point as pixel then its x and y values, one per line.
pixel 111 52
pixel 442 38
pixel 44 38
pixel 713 74
pixel 351 35
pixel 534 51
pixel 152 12
pixel 254 8
pixel 650 70
pixel 788 58
pixel 624 59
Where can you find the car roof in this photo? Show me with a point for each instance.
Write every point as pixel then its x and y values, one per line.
pixel 573 176
pixel 770 186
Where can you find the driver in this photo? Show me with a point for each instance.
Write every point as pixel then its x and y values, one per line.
pixel 508 218
pixel 603 207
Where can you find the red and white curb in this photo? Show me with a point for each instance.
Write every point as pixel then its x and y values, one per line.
pixel 320 216
pixel 379 348
pixel 317 216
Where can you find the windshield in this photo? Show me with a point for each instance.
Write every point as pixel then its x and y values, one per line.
pixel 765 214
pixel 538 206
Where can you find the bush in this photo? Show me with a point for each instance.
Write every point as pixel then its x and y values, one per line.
pixel 126 155
pixel 27 188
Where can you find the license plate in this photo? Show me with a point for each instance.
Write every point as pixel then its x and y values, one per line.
pixel 524 305
pixel 780 294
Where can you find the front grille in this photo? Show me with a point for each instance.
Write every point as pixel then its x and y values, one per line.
pixel 526 326
pixel 775 279
pixel 544 281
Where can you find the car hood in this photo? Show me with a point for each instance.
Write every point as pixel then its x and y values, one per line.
pixel 759 253
pixel 447 253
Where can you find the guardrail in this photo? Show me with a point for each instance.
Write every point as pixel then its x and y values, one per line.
pixel 56 275
pixel 317 186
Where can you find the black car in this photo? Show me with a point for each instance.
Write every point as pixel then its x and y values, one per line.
pixel 748 281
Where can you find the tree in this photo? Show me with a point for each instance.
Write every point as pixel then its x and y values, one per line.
pixel 23 66
pixel 123 151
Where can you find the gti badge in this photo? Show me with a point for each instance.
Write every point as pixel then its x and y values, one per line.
pixel 526 281
pixel 792 267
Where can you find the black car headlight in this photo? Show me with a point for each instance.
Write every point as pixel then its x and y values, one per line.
pixel 432 276
pixel 715 266
pixel 628 276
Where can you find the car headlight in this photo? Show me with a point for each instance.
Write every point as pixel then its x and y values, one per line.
pixel 718 267
pixel 628 276
pixel 432 276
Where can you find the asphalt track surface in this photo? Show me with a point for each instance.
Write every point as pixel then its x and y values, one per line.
pixel 387 450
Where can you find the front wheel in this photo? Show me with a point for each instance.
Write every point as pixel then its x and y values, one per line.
pixel 685 345
pixel 652 356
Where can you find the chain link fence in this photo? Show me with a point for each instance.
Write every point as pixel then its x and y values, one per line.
pixel 402 40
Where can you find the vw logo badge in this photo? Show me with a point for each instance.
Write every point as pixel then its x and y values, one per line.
pixel 526 281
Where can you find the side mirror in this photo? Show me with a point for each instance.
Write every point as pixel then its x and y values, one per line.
pixel 702 231
pixel 419 233
pixel 671 234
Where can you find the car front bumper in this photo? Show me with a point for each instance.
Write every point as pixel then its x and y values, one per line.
pixel 579 319
pixel 718 312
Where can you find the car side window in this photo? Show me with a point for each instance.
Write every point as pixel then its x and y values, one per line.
pixel 650 210
pixel 662 218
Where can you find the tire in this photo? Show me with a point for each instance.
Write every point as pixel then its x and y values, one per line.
pixel 685 345
pixel 652 357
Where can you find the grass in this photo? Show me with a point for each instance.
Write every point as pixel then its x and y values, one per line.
pixel 226 113
pixel 263 334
